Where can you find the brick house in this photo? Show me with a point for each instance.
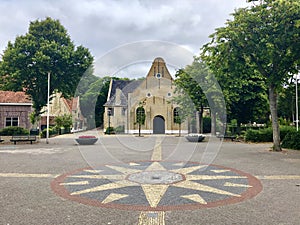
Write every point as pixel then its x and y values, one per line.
pixel 15 109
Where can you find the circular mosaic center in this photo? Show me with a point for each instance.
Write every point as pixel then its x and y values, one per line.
pixel 157 186
pixel 155 177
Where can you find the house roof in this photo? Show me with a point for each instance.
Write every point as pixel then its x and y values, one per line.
pixel 125 87
pixel 11 97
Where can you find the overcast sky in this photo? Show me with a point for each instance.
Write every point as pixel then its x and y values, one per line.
pixel 104 25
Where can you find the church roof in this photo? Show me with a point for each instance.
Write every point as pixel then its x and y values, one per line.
pixel 126 87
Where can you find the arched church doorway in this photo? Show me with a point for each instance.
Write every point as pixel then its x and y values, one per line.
pixel 159 125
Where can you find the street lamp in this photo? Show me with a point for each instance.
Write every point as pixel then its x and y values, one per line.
pixel 48 109
pixel 297 118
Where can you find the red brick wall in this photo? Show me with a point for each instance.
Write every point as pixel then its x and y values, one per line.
pixel 22 112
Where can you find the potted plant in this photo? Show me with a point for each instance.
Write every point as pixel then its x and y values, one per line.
pixel 195 137
pixel 86 140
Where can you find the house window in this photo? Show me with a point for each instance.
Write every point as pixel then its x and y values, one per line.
pixel 12 121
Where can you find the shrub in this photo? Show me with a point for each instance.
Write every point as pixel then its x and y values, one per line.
pixel 110 130
pixel 262 135
pixel 120 129
pixel 52 131
pixel 8 131
pixel 292 140
pixel 266 134
pixel 284 130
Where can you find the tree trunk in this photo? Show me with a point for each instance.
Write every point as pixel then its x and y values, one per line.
pixel 201 120
pixel 274 117
pixel 179 129
pixel 139 129
pixel 213 123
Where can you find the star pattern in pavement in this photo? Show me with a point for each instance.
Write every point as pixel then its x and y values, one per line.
pixel 156 185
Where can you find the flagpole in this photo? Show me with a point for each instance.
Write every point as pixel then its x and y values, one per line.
pixel 48 109
pixel 297 117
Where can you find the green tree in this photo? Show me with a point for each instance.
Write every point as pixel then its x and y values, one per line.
pixel 179 117
pixel 140 116
pixel 263 38
pixel 64 121
pixel 197 88
pixel 45 48
pixel 287 102
pixel 188 86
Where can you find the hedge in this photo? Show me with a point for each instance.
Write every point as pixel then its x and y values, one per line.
pixel 292 140
pixel 266 134
pixel 9 131
pixel 52 131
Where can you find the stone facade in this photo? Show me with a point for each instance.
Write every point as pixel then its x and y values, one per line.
pixel 154 94
pixel 60 106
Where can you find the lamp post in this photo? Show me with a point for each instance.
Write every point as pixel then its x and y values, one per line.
pixel 48 109
pixel 297 118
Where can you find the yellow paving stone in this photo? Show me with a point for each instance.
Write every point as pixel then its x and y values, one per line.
pixel 154 193
pixel 279 177
pixel 110 177
pixel 104 187
pixel 113 197
pixel 134 164
pixel 195 198
pixel 152 218
pixel 220 171
pixel 157 152
pixel 28 175
pixel 209 177
pixel 76 183
pixel 123 170
pixel 228 184
pixel 155 166
pixel 93 171
pixel 188 169
pixel 202 187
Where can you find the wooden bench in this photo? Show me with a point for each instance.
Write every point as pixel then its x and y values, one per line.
pixel 20 138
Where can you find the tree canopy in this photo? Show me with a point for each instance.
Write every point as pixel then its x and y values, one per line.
pixel 190 94
pixel 45 48
pixel 263 41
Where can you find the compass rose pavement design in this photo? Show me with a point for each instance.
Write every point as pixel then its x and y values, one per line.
pixel 157 185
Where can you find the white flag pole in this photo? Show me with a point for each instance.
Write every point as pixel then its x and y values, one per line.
pixel 48 109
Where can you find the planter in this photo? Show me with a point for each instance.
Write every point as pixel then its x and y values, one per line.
pixel 195 137
pixel 86 140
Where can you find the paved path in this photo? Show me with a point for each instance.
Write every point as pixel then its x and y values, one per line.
pixel 148 180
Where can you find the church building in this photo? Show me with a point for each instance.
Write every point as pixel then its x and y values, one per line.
pixel 154 94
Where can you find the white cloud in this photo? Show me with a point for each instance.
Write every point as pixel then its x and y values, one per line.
pixel 106 24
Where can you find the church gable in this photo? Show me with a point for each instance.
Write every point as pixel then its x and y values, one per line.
pixel 159 69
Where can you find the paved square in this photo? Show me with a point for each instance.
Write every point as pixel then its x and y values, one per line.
pixel 160 184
